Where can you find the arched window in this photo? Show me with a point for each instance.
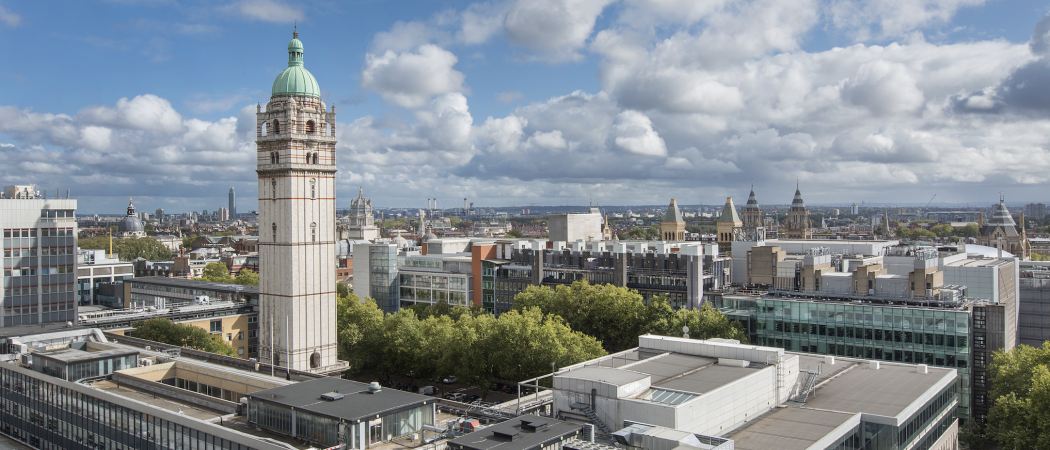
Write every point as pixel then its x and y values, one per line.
pixel 275 232
pixel 310 128
pixel 315 158
pixel 262 129
pixel 273 187
pixel 313 189
pixel 313 232
pixel 276 127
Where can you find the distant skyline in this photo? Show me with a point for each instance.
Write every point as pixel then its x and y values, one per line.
pixel 537 101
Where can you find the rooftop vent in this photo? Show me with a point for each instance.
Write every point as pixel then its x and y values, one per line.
pixel 331 396
pixel 374 387
pixel 873 365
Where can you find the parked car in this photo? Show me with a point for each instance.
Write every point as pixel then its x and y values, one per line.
pixel 456 396
pixel 450 380
pixel 497 386
pixel 471 398
pixel 428 390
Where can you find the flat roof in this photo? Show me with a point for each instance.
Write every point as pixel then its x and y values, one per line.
pixel 71 356
pixel 710 378
pixel 887 391
pixel 787 429
pixel 197 284
pixel 39 328
pixel 671 365
pixel 618 377
pixel 357 403
pixel 528 431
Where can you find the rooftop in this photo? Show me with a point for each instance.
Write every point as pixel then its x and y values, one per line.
pixel 71 356
pixel 519 433
pixel 198 284
pixel 787 429
pixel 358 402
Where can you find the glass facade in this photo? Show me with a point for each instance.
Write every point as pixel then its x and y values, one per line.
pixel 83 369
pixel 52 416
pixel 433 287
pixel 941 338
pixel 382 276
pixel 324 430
pixel 39 275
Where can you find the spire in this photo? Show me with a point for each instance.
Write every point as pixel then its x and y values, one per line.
pixel 729 214
pixel 295 30
pixel 751 199
pixel 797 201
pixel 131 208
pixel 295 50
pixel 673 214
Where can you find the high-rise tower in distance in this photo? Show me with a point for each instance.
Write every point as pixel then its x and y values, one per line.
pixel 296 167
pixel 233 204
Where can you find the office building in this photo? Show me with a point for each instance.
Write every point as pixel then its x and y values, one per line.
pixel 1033 326
pixel 1035 211
pixel 714 391
pixel 434 278
pixel 296 166
pixel 575 227
pixel 375 274
pixel 95 268
pixel 233 204
pixel 40 260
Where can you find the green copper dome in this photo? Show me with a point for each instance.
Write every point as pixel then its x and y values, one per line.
pixel 295 80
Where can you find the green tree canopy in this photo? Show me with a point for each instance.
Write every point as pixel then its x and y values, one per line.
pixel 616 316
pixel 247 277
pixel 1020 415
pixel 943 230
pixel 128 249
pixel 217 272
pixel 168 332
pixel 514 234
pixel 970 230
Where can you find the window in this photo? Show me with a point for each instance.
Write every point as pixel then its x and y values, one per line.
pixel 313 232
pixel 276 127
pixel 251 349
pixel 273 188
pixel 253 334
pixel 313 189
pixel 240 335
pixel 253 319
pixel 310 127
pixel 216 326
pixel 240 351
pixel 275 232
pixel 229 337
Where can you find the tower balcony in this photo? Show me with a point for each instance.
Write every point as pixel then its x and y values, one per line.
pixel 328 168
pixel 296 137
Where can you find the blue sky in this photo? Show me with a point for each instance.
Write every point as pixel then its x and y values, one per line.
pixel 539 101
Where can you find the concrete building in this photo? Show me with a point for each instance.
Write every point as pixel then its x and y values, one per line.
pixel 95 268
pixel 40 260
pixel 1034 303
pixel 672 227
pixel 359 224
pixel 296 166
pixel 223 214
pixel 527 432
pixel 1035 211
pixel 575 227
pixel 761 397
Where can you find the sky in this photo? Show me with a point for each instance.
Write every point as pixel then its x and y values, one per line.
pixel 548 102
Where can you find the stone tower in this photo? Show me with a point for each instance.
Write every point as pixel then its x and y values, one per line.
pixel 798 225
pixel 1001 232
pixel 726 222
pixel 359 224
pixel 752 217
pixel 296 167
pixel 672 228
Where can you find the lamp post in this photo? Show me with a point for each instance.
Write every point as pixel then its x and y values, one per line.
pixel 685 331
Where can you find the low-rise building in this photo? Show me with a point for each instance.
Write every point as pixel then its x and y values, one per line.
pixel 94 268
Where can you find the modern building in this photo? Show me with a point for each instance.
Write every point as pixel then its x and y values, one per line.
pixel 223 214
pixel 94 269
pixel 728 221
pixel 83 361
pixel 40 260
pixel 296 166
pixel 131 225
pixel 375 274
pixel 575 227
pixel 672 227
pixel 1034 303
pixel 359 223
pixel 760 397
pixel 1035 211
pixel 527 432
pixel 430 279
pixel 953 216
pixel 233 204
pixel 329 411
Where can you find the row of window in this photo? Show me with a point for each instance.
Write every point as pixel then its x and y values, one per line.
pixel 950 341
pixel 33 290
pixel 25 272
pixel 31 251
pixel 939 359
pixel 31 232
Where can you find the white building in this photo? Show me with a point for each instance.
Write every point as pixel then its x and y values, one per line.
pixel 574 227
pixel 40 261
pixel 297 252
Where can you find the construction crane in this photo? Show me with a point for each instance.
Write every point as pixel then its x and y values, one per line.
pixel 931 201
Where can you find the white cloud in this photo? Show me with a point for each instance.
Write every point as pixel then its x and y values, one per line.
pixel 9 18
pixel 269 11
pixel 144 112
pixel 633 131
pixel 884 88
pixel 554 29
pixel 410 79
pixel 867 19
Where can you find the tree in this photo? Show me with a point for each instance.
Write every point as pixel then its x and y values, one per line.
pixel 360 338
pixel 128 249
pixel 247 277
pixel 514 234
pixel 972 437
pixel 1020 414
pixel 217 272
pixel 902 232
pixel 943 230
pixel 970 230
pixel 187 241
pixel 167 332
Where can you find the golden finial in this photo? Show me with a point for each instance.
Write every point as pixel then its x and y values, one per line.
pixel 295 31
